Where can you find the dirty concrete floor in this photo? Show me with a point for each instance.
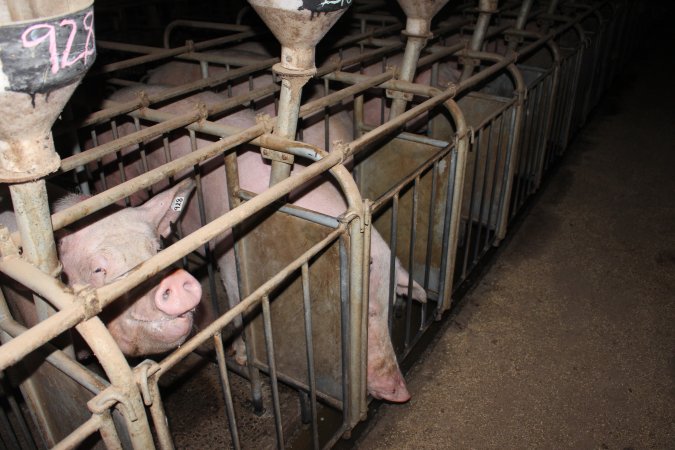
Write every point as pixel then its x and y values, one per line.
pixel 568 340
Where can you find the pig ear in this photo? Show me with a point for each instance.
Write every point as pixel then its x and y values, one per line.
pixel 418 292
pixel 167 206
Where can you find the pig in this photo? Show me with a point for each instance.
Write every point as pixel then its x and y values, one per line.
pixel 157 316
pixel 384 380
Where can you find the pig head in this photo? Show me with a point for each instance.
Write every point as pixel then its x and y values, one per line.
pixel 157 316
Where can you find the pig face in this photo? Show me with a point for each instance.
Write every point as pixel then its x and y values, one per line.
pixel 157 316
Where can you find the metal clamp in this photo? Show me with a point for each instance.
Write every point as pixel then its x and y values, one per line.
pixel 144 371
pixel 109 398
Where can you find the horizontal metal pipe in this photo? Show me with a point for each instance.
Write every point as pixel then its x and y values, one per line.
pixel 85 377
pixel 67 216
pixel 74 439
pixel 144 134
pixel 16 349
pixel 200 25
pixel 211 230
pixel 107 68
pixel 36 280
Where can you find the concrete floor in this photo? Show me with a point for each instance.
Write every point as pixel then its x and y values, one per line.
pixel 568 341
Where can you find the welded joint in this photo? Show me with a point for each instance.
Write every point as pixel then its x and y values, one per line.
pixel 393 94
pixel 203 112
pixel 348 216
pixel 87 298
pixel 266 121
pixel 144 371
pixel 7 246
pixel 464 60
pixel 112 396
pixel 343 148
pixel 472 136
pixel 143 99
pixel 509 37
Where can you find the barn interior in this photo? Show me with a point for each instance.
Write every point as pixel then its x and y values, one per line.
pixel 494 151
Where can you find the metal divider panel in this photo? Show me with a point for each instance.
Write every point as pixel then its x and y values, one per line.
pixel 477 107
pixel 384 169
pixel 271 242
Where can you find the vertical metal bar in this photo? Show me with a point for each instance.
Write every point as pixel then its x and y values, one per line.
pixel 447 277
pixel 8 437
pixel 393 241
pixel 120 158
pixel 345 329
pixel 509 150
pixel 525 149
pixel 488 152
pixel 269 346
pixel 495 180
pixel 227 393
pixel 539 117
pixel 326 116
pixel 307 304
pixel 159 419
pixel 232 180
pixel 202 219
pixel 141 149
pixel 411 261
pixel 469 220
pixel 6 390
pixel 430 239
pixel 108 431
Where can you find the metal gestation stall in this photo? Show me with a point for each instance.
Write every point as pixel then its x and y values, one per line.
pixel 444 163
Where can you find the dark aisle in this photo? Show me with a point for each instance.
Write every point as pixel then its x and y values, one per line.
pixel 568 340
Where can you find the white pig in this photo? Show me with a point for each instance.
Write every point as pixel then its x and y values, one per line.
pixel 155 317
pixel 384 377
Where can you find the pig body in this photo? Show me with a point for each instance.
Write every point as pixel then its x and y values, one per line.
pixel 384 377
pixel 153 318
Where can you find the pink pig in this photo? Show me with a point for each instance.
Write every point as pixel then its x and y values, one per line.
pixel 385 380
pixel 155 317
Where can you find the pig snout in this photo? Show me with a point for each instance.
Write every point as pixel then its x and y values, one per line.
pixel 390 388
pixel 178 293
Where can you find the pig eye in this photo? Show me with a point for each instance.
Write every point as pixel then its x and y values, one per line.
pixel 99 270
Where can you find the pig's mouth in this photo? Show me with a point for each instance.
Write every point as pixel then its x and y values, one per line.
pixel 166 318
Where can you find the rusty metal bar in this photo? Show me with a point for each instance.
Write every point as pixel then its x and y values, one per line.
pixel 201 25
pixel 156 56
pixel 134 138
